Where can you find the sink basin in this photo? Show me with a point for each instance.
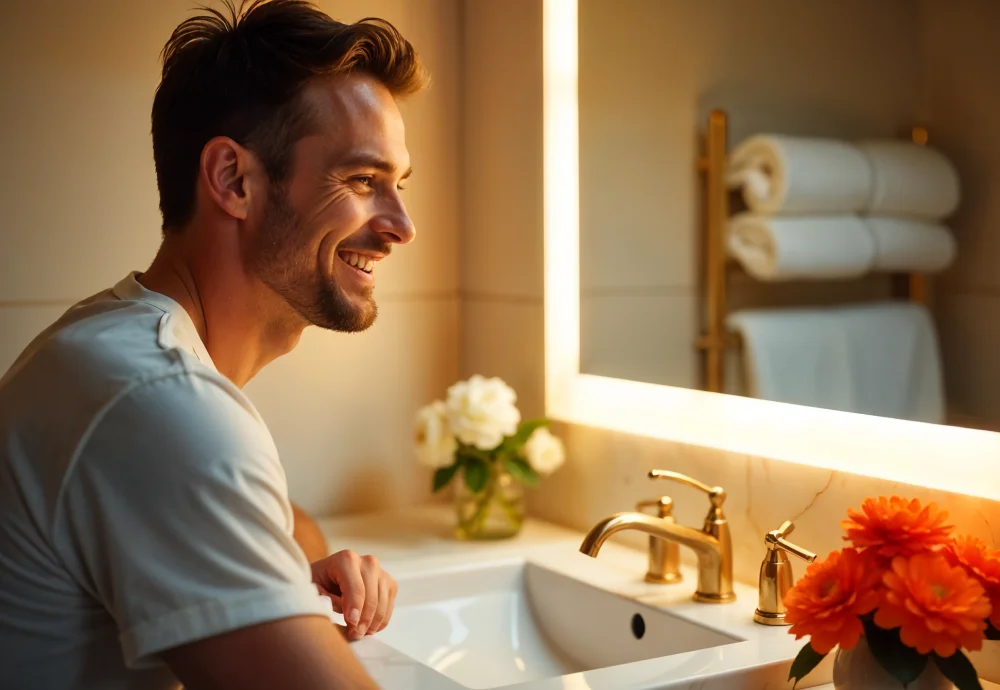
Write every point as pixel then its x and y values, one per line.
pixel 515 622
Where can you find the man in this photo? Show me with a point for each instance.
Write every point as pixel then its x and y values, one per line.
pixel 147 536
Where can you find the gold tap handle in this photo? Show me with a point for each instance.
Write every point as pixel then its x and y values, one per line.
pixel 663 503
pixel 776 540
pixel 716 494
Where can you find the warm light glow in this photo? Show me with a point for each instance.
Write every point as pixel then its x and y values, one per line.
pixel 947 458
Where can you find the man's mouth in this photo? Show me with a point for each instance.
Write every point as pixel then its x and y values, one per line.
pixel 365 264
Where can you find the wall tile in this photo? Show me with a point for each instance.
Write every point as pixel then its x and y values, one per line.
pixel 643 336
pixel 969 328
pixel 504 338
pixel 502 149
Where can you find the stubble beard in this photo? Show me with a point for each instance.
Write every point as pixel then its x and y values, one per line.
pixel 277 259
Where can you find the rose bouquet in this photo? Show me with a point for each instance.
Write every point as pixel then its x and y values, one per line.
pixel 908 588
pixel 477 431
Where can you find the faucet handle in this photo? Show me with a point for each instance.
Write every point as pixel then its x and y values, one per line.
pixel 775 539
pixel 664 556
pixel 663 504
pixel 716 494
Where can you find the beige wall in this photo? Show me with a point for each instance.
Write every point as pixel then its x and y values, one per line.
pixel 650 70
pixel 78 210
pixel 962 75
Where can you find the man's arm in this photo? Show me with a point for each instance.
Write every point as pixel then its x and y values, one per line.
pixel 300 653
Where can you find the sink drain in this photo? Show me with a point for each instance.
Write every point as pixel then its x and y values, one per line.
pixel 638 626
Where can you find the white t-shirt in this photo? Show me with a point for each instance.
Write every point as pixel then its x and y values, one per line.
pixel 142 502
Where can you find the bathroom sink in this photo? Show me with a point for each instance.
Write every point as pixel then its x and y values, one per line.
pixel 504 624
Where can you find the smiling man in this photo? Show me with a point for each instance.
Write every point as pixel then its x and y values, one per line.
pixel 147 535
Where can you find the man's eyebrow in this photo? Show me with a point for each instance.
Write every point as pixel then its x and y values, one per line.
pixel 365 160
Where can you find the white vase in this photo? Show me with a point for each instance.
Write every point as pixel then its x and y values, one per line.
pixel 857 669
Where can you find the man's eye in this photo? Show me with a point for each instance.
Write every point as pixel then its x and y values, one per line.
pixel 366 180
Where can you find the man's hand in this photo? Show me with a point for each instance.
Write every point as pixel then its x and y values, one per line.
pixel 359 589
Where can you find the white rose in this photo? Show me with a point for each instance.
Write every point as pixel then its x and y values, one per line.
pixel 435 445
pixel 544 452
pixel 481 411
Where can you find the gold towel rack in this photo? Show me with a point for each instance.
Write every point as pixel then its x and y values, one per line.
pixel 715 339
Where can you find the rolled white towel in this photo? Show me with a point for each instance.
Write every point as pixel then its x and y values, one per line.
pixel 904 244
pixel 910 180
pixel 795 248
pixel 790 175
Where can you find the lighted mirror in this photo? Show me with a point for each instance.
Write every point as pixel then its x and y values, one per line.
pixel 775 158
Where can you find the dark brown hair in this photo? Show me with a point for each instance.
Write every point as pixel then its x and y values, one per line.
pixel 240 73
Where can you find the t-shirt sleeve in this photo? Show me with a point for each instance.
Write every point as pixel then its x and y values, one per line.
pixel 175 517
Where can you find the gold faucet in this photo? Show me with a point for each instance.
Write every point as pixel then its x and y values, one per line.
pixel 776 576
pixel 711 544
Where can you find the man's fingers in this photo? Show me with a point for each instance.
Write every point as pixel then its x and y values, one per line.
pixel 371 572
pixel 352 587
pixel 378 620
pixel 392 588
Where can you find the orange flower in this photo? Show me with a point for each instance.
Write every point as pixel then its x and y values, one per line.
pixel 937 607
pixel 984 564
pixel 828 600
pixel 895 527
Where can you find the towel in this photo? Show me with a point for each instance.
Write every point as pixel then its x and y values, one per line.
pixel 910 180
pixel 877 359
pixel 798 175
pixel 820 247
pixel 907 245
pixel 789 175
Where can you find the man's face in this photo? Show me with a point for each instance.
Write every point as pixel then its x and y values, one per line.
pixel 327 227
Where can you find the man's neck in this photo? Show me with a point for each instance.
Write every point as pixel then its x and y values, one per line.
pixel 243 325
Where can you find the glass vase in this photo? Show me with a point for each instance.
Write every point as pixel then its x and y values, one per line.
pixel 857 669
pixel 496 512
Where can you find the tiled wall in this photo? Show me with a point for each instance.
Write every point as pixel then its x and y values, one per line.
pixel 78 210
pixel 962 73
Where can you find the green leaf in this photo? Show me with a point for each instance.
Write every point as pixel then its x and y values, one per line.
pixel 807 659
pixel 520 470
pixel 959 670
pixel 991 632
pixel 903 663
pixel 443 476
pixel 523 433
pixel 477 473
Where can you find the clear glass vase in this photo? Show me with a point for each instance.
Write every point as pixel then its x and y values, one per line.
pixel 496 512
pixel 857 669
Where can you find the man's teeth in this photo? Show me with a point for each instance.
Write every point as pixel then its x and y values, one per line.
pixel 365 263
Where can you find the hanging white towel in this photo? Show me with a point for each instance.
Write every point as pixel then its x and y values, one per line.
pixel 910 180
pixel 878 359
pixel 785 175
pixel 908 245
pixel 797 175
pixel 801 248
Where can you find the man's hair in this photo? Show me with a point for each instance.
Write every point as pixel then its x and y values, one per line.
pixel 240 73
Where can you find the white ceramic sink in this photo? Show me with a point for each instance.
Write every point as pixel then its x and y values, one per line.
pixel 504 624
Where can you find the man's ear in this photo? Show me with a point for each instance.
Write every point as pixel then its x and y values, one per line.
pixel 225 168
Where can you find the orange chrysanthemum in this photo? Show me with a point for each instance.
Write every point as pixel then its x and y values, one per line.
pixel 938 607
pixel 893 527
pixel 984 564
pixel 827 602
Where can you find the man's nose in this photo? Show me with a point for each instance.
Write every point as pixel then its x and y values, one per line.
pixel 395 225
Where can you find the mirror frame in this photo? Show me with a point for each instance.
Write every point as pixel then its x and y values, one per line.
pixel 959 460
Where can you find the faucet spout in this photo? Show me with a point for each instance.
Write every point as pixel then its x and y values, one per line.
pixel 715 574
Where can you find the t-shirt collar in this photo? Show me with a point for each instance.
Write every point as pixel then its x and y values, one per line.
pixel 129 288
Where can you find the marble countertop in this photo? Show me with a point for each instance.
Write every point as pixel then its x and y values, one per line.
pixel 421 540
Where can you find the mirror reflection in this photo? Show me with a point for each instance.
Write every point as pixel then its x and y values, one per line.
pixel 794 201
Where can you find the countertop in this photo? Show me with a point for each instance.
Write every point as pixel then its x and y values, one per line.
pixel 421 540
